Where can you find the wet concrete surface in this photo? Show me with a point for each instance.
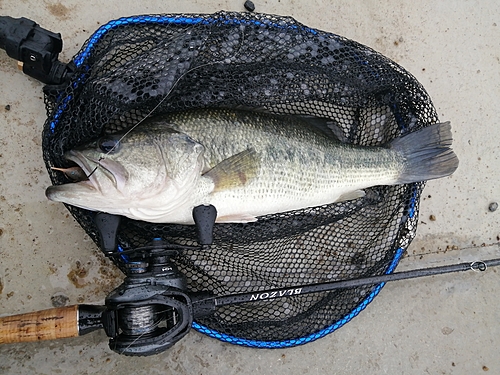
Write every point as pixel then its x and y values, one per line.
pixel 444 324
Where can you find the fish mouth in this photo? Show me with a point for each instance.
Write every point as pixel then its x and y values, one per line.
pixel 84 163
pixel 92 188
pixel 72 192
pixel 89 167
pixel 95 170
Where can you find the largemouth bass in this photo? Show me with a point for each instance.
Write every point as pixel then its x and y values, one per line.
pixel 247 164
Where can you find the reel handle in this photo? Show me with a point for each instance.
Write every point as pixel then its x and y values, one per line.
pixel 204 218
pixel 108 225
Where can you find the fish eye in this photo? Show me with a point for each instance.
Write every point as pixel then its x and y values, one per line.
pixel 109 145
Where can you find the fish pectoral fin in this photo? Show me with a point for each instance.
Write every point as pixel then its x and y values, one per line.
pixel 236 218
pixel 351 195
pixel 235 171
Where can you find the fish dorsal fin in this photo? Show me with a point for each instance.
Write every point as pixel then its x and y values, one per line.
pixel 235 171
pixel 326 126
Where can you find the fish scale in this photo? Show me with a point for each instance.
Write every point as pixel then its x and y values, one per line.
pixel 247 164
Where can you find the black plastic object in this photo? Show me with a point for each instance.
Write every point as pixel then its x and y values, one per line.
pixel 249 5
pixel 142 321
pixel 154 64
pixel 150 311
pixel 37 48
pixel 89 318
pixel 107 226
pixel 204 218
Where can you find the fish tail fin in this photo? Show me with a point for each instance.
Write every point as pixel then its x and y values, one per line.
pixel 427 153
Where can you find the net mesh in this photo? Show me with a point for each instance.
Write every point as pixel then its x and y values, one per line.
pixel 149 65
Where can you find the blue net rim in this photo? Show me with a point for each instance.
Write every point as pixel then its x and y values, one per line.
pixel 229 18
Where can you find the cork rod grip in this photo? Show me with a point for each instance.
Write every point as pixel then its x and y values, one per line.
pixel 49 324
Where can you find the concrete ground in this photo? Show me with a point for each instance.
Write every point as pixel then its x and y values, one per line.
pixel 445 324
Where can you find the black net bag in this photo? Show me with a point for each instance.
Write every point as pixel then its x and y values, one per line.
pixel 148 65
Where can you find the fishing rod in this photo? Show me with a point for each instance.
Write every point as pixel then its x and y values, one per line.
pixel 152 309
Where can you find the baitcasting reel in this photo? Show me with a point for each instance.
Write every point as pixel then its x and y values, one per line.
pixel 150 311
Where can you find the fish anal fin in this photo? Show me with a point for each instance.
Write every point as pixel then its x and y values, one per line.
pixel 236 218
pixel 351 196
pixel 235 171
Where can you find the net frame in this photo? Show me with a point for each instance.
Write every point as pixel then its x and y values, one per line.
pixel 154 64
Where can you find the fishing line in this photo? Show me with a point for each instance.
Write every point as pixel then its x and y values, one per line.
pixel 154 325
pixel 143 119
pixel 165 98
